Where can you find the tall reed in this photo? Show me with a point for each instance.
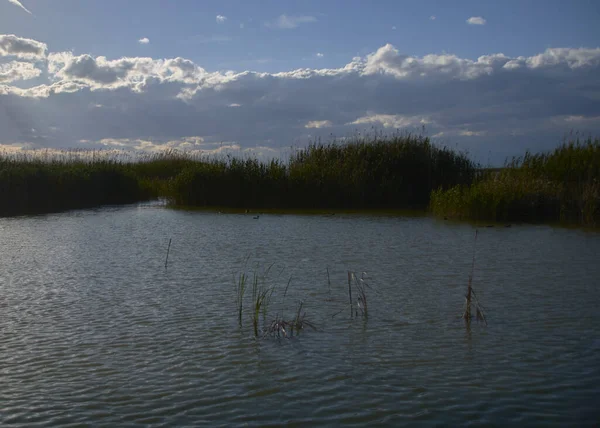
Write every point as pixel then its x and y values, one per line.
pixel 559 186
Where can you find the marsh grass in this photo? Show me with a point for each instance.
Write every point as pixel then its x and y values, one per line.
pixel 42 181
pixel 471 297
pixel 361 285
pixel 240 291
pixel 279 327
pixel 559 186
pixel 259 304
pixel 363 172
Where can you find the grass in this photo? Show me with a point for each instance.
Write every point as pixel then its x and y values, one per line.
pixel 30 185
pixel 374 173
pixel 471 297
pixel 364 173
pixel 559 186
pixel 259 304
pixel 361 286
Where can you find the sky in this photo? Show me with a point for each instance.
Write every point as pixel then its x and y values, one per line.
pixel 259 77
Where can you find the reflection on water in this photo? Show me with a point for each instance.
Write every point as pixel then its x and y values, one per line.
pixel 95 330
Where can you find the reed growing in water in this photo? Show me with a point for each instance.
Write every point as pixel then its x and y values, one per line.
pixel 49 181
pixel 559 186
pixel 375 172
pixel 30 185
pixel 372 172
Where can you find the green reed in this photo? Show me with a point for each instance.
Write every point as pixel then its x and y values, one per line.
pixel 558 186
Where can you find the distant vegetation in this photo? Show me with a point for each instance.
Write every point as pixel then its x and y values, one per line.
pixel 381 172
pixel 560 186
pixel 30 185
pixel 378 172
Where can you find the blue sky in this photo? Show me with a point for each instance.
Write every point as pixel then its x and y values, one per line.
pixel 382 64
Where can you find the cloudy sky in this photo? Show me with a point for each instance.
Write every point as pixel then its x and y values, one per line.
pixel 491 77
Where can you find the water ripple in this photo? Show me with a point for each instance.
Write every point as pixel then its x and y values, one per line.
pixel 96 332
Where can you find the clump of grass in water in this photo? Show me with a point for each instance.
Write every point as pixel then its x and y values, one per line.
pixel 479 313
pixel 261 298
pixel 280 327
pixel 262 295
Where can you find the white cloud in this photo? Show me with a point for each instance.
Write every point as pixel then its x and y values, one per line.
pixel 144 41
pixel 580 119
pixel 150 103
pixel 11 45
pixel 432 17
pixel 221 19
pixel 467 133
pixel 16 70
pixel 134 73
pixel 476 20
pixel 19 4
pixel 242 25
pixel 317 124
pixel 320 55
pixel 394 27
pixel 391 120
pixel 286 22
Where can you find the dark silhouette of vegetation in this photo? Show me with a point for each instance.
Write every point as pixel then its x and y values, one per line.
pixel 559 186
pixel 29 186
pixel 376 172
pixel 380 172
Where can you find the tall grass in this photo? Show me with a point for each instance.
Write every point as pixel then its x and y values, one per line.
pixel 30 185
pixel 559 186
pixel 371 172
pixel 48 181
pixel 374 172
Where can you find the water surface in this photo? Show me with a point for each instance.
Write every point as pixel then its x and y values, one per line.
pixel 94 330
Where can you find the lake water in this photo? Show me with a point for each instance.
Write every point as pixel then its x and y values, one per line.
pixel 94 330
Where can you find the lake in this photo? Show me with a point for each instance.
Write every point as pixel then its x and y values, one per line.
pixel 94 330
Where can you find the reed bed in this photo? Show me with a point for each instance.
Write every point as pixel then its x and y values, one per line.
pixel 375 172
pixel 363 172
pixel 558 186
pixel 41 181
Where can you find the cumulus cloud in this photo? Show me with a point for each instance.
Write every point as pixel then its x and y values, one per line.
pixel 285 22
pixel 15 70
pixel 19 4
pixel 432 18
pixel 320 55
pixel 135 73
pixel 144 41
pixel 221 19
pixel 494 102
pixel 316 124
pixel 391 120
pixel 476 20
pixel 11 45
